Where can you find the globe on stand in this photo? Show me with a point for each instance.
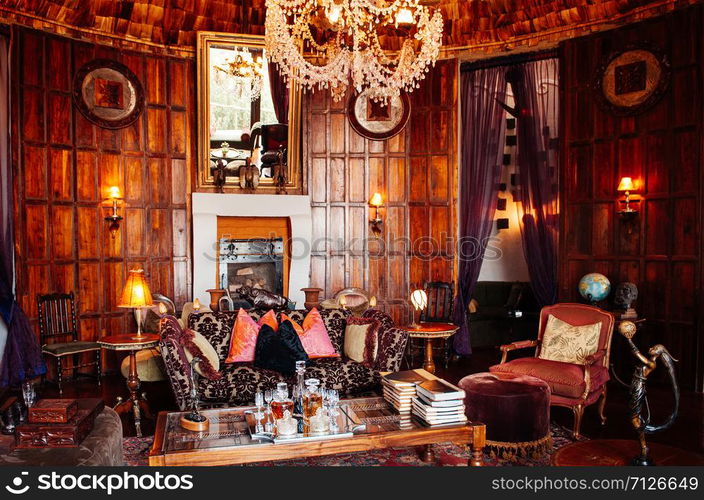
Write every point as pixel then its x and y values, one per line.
pixel 594 287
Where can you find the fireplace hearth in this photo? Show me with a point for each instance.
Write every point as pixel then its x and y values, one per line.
pixel 258 263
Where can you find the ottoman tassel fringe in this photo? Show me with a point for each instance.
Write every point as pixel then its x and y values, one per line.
pixel 525 449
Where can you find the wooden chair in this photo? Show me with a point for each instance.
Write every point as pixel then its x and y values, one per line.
pixel 574 386
pixel 441 295
pixel 58 333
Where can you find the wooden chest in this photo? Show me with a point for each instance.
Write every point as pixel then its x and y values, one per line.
pixel 54 411
pixel 68 435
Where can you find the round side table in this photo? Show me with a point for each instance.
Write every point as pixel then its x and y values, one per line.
pixel 132 342
pixel 430 332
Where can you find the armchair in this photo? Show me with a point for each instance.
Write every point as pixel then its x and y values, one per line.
pixel 572 385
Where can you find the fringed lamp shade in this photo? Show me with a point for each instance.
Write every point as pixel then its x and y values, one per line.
pixel 136 292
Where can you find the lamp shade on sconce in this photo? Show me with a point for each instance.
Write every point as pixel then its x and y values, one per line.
pixel 376 200
pixel 626 184
pixel 136 292
pixel 114 193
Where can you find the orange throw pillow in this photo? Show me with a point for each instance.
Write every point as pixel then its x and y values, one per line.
pixel 269 319
pixel 315 338
pixel 243 340
pixel 296 326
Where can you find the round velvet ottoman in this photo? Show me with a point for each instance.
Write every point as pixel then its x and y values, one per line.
pixel 515 410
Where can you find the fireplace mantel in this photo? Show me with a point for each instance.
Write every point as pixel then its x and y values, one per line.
pixel 206 208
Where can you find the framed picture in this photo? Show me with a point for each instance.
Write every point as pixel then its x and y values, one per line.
pixel 378 120
pixel 108 94
pixel 631 81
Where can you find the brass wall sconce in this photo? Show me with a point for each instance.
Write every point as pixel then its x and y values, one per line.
pixel 114 218
pixel 627 186
pixel 376 222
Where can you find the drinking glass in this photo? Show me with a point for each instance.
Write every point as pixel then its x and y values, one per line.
pixel 28 393
pixel 332 397
pixel 268 397
pixel 259 402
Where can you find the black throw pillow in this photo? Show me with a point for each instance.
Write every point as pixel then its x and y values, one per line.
pixel 280 350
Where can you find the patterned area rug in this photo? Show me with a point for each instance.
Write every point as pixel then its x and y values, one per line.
pixel 446 454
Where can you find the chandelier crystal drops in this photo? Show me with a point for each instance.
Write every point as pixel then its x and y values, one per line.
pixel 244 72
pixel 331 44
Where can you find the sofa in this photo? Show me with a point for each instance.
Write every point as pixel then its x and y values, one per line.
pixel 492 322
pixel 240 381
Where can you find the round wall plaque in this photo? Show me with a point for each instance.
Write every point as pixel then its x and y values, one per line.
pixel 108 94
pixel 378 120
pixel 632 81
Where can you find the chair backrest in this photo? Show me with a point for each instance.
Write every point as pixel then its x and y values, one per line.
pixel 440 301
pixel 579 315
pixel 57 318
pixel 274 137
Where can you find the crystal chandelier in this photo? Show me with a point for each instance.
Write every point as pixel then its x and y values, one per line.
pixel 331 44
pixel 244 72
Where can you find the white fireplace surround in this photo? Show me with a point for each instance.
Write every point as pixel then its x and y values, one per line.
pixel 207 207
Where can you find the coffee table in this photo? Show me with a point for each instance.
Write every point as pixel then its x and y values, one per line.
pixel 228 441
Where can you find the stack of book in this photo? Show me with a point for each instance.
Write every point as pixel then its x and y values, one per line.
pixel 439 403
pixel 400 390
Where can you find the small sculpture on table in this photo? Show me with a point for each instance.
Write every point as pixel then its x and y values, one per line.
pixel 194 421
pixel 638 392
pixel 625 295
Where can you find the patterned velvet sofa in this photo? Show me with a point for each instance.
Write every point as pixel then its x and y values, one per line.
pixel 240 381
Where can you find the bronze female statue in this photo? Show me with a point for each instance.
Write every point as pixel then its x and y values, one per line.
pixel 638 392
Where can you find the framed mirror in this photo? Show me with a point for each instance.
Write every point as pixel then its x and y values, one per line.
pixel 249 126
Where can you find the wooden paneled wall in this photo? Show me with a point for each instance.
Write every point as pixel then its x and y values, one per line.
pixel 416 174
pixel 662 149
pixel 64 165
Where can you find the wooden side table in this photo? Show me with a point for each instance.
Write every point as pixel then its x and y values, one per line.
pixel 132 343
pixel 430 332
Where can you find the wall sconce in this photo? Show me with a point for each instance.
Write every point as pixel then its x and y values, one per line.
pixel 376 202
pixel 626 186
pixel 114 218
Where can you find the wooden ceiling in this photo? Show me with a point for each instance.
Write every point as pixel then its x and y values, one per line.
pixel 471 25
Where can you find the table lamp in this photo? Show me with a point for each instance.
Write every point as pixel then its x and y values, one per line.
pixel 419 299
pixel 136 295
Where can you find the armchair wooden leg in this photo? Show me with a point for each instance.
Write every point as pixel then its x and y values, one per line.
pixel 578 412
pixel 602 406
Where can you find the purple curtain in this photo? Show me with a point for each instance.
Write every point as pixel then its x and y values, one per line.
pixel 279 93
pixel 536 94
pixel 482 136
pixel 22 357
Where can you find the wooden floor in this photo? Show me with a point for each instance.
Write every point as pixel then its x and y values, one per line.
pixel 687 433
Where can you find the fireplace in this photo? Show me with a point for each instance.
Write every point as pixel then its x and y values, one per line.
pixel 255 262
pixel 209 207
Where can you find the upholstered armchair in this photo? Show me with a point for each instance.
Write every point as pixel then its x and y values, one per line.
pixel 572 385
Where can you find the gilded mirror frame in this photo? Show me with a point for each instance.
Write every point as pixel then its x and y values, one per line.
pixel 204 180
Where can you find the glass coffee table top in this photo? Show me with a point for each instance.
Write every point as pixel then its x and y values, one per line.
pixel 229 427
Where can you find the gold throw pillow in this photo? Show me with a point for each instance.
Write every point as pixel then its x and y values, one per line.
pixel 569 343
